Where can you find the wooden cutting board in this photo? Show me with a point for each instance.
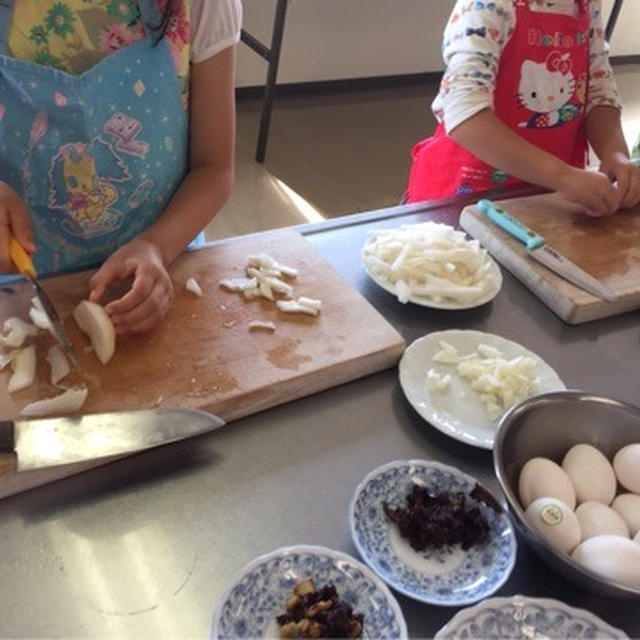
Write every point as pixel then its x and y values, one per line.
pixel 203 356
pixel 607 248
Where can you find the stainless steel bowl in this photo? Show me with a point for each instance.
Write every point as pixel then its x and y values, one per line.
pixel 548 425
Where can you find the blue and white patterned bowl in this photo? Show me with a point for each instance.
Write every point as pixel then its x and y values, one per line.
pixel 449 577
pixel 524 618
pixel 260 591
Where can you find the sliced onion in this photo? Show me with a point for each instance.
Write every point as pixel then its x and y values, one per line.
pixel 192 286
pixel 68 402
pixel 58 363
pixel 24 369
pixel 17 331
pixel 95 322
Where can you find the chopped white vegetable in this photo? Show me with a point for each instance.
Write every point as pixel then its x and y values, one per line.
pixel 310 302
pixel 437 381
pixel 58 363
pixel 24 369
pixel 192 286
pixel 7 356
pixel 236 285
pixel 250 294
pixel 262 260
pixel 68 402
pixel 279 286
pixel 95 322
pixel 17 331
pixel 499 383
pixel 428 260
pixel 448 354
pixel 260 325
pixel 40 319
pixel 291 306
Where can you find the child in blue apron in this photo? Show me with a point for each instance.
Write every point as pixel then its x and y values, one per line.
pixel 116 138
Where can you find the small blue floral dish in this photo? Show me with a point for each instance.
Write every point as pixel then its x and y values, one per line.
pixel 522 618
pixel 448 576
pixel 260 592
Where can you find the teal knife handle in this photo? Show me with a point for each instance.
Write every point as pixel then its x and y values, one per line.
pixel 511 225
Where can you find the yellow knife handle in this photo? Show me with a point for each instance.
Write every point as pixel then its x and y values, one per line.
pixel 21 258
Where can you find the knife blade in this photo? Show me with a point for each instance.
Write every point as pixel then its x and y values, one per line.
pixel 538 249
pixel 24 264
pixel 50 442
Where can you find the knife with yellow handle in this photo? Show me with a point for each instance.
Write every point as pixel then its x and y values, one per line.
pixel 22 260
pixel 538 249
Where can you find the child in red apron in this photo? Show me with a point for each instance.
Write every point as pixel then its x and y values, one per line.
pixel 528 85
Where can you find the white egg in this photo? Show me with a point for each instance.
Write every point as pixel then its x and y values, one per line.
pixel 597 519
pixel 628 506
pixel 555 522
pixel 591 473
pixel 612 557
pixel 627 467
pixel 541 477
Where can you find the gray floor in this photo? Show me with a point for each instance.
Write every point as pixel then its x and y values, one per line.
pixel 332 155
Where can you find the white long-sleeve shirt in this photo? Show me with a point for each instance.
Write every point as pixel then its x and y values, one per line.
pixel 469 81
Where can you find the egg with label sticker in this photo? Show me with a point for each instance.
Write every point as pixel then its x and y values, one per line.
pixel 555 522
pixel 541 477
pixel 627 467
pixel 613 557
pixel 591 474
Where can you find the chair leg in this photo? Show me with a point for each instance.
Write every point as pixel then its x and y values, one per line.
pixel 272 74
pixel 613 18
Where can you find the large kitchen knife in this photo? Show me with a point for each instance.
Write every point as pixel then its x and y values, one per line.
pixel 50 442
pixel 538 248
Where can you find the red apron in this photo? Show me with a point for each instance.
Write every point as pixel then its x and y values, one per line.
pixel 540 93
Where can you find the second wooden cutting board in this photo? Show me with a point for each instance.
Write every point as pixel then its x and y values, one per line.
pixel 203 356
pixel 607 248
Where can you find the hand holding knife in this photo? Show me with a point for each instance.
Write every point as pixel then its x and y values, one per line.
pixel 538 249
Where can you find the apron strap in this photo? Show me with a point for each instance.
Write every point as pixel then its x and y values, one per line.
pixel 151 16
pixel 6 14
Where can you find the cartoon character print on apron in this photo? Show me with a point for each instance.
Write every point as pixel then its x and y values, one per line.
pixel 96 156
pixel 540 93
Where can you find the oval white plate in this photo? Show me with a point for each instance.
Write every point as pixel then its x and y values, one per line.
pixel 522 617
pixel 260 591
pixel 494 275
pixel 458 411
pixel 447 577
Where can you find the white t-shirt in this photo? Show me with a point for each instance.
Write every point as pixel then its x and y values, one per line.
pixel 215 25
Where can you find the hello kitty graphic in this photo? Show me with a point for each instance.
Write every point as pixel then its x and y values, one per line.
pixel 549 90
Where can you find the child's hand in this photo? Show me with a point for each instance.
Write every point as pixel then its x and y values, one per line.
pixel 151 293
pixel 14 220
pixel 592 189
pixel 621 170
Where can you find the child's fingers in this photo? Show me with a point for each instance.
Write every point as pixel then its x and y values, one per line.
pixel 632 196
pixel 21 226
pixel 140 290
pixel 110 271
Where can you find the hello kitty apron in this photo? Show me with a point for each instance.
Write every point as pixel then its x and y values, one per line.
pixel 96 156
pixel 540 93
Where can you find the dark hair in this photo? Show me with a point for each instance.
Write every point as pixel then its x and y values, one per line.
pixel 170 9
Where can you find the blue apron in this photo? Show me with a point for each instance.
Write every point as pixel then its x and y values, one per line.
pixel 96 157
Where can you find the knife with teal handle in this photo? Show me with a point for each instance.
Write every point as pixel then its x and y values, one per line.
pixel 538 248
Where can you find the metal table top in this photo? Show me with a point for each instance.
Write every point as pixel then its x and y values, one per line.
pixel 143 547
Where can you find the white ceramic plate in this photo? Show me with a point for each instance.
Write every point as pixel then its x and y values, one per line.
pixel 495 281
pixel 458 411
pixel 259 593
pixel 526 618
pixel 448 576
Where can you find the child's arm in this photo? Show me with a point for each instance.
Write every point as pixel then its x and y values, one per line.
pixel 491 140
pixel 604 131
pixel 200 196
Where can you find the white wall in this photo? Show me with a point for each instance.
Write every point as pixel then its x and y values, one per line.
pixel 335 39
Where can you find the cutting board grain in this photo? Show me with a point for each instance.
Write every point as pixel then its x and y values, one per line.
pixel 203 355
pixel 607 248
